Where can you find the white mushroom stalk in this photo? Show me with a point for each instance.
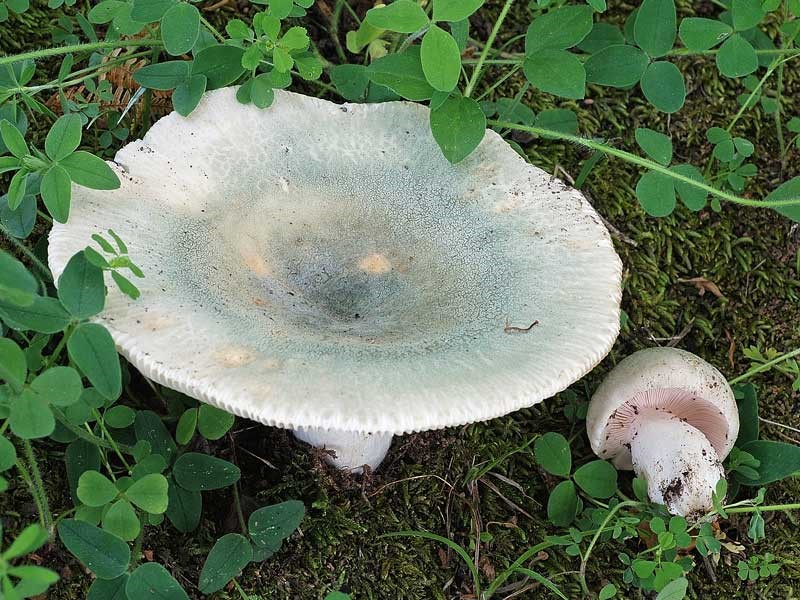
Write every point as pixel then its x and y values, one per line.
pixel 678 462
pixel 323 268
pixel 672 418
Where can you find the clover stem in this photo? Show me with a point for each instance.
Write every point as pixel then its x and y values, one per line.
pixel 212 29
pixel 71 49
pixel 137 549
pixel 768 508
pixel 646 163
pixel 59 348
pixel 40 266
pixel 33 478
pixel 237 501
pixel 110 439
pixel 764 366
pixel 476 72
pixel 595 537
pixel 89 437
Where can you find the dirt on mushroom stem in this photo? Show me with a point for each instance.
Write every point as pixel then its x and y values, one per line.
pixel 339 542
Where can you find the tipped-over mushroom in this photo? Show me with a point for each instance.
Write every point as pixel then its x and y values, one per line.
pixel 323 268
pixel 672 418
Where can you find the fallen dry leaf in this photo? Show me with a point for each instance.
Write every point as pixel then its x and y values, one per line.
pixel 731 348
pixel 703 285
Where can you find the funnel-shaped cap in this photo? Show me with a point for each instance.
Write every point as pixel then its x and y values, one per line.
pixel 323 265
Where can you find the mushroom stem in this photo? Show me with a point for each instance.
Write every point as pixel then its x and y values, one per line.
pixel 678 462
pixel 352 450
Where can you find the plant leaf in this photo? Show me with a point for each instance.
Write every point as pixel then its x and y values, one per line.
pixel 597 478
pixel 401 16
pixel 199 472
pixel 656 194
pixel 64 137
pixel 616 66
pixel 149 493
pixel 552 453
pixel 737 57
pixel 230 554
pixel 558 29
pixel 655 145
pixel 556 72
pixel 92 349
pixel 106 555
pixel 454 10
pixel 90 171
pixel 402 73
pixel 441 59
pixel 562 505
pixel 81 288
pixel 180 27
pixel 152 581
pixel 458 126
pixel 664 87
pixel 655 28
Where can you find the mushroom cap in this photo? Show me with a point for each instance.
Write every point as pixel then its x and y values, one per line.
pixel 316 265
pixel 661 379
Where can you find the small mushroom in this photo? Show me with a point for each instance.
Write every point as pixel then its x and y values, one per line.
pixel 672 418
pixel 323 268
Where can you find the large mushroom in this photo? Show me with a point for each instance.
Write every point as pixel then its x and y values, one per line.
pixel 672 418
pixel 323 268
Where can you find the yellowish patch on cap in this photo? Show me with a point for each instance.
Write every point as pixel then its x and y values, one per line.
pixel 233 356
pixel 375 264
pixel 255 262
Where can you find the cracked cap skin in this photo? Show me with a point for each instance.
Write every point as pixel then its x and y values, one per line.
pixel 315 265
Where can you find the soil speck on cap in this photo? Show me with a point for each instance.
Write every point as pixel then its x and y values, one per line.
pixel 672 490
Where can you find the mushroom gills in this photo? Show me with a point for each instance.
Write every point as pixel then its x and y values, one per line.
pixel 352 450
pixel 677 460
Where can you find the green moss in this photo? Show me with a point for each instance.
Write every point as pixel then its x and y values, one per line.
pixel 750 254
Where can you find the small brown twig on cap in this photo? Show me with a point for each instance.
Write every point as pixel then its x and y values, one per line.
pixel 511 329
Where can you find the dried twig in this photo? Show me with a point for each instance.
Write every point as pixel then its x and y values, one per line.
pixel 511 329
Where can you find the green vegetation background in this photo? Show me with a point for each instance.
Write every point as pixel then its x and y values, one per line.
pixel 751 255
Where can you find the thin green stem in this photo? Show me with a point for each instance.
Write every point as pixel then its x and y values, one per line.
pixel 648 164
pixel 82 75
pixel 26 477
pixel 107 435
pixel 778 113
pixel 768 508
pixel 476 72
pixel 499 82
pixel 212 29
pixel 38 485
pixel 137 549
pixel 54 356
pixel 336 16
pixel 491 61
pixel 40 266
pixel 90 47
pixel 764 366
pixel 89 437
pixel 777 62
pixel 238 503
pixel 523 558
pixel 596 536
pixel 239 589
